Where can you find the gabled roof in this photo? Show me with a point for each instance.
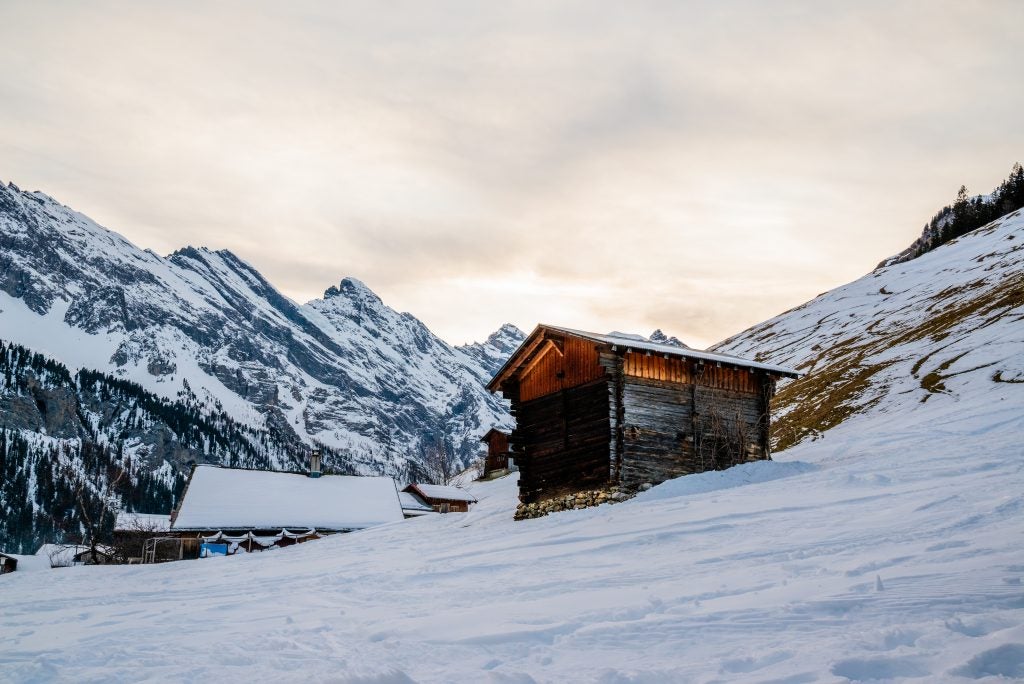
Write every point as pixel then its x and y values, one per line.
pixel 621 341
pixel 230 498
pixel 429 491
pixel 490 432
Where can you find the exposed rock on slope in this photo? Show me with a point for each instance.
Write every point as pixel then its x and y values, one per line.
pixel 946 328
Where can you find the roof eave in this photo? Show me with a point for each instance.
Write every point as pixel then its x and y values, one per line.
pixel 514 361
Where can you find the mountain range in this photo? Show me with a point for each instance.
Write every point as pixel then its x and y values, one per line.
pixel 345 371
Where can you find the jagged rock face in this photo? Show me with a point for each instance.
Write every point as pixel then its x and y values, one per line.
pixel 661 338
pixel 345 370
pixel 492 354
pixel 934 336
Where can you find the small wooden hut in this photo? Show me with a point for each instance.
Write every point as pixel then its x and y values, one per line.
pixel 443 499
pixel 7 564
pixel 497 452
pixel 598 410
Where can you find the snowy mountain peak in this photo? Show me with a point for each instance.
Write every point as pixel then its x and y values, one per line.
pixel 506 338
pixel 354 289
pixel 493 353
pixel 661 338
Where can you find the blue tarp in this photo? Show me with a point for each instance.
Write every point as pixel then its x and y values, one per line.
pixel 207 550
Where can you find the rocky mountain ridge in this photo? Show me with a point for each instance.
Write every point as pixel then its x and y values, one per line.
pixel 346 370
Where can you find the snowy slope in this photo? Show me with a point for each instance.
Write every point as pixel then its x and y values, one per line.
pixel 345 370
pixel 920 340
pixel 878 555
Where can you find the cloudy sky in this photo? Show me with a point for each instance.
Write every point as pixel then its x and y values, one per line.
pixel 693 166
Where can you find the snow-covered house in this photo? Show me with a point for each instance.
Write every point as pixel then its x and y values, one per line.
pixel 441 498
pixel 10 562
pixel 67 555
pixel 261 508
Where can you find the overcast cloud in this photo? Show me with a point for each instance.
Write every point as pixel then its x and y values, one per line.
pixel 696 167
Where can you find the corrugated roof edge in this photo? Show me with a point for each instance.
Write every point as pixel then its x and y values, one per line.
pixel 637 344
pixel 280 472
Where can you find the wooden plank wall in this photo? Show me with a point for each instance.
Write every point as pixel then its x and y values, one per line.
pixel 574 365
pixel 730 379
pixel 584 419
pixel 737 413
pixel 662 435
pixel 657 434
pixel 655 367
pixel 562 441
pixel 613 365
pixel 680 370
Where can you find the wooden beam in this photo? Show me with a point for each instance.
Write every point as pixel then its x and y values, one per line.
pixel 522 353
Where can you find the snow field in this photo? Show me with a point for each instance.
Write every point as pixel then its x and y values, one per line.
pixel 874 554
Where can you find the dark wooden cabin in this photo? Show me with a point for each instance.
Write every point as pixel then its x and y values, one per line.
pixel 7 564
pixel 597 410
pixel 497 451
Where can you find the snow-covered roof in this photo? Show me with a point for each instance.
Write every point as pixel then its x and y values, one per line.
pixel 150 522
pixel 443 492
pixel 410 502
pixel 29 563
pixel 229 498
pixel 637 343
pixel 58 555
pixel 413 504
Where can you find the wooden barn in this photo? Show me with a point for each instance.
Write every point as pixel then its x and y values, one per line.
pixel 496 459
pixel 443 499
pixel 594 411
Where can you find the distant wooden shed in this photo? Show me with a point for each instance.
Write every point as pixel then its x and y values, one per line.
pixel 7 564
pixel 497 451
pixel 443 499
pixel 596 410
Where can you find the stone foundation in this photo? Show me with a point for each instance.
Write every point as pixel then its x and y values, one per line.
pixel 568 502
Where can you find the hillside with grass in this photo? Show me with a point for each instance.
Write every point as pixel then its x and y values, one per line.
pixel 925 334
